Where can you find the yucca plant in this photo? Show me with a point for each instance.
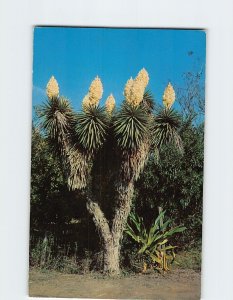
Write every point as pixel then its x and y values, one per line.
pixel 129 133
pixel 153 243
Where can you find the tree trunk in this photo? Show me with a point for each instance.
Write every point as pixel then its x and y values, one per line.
pixel 112 258
pixel 125 195
pixel 112 238
pixel 111 247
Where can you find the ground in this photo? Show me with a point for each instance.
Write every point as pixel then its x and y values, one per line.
pixel 176 285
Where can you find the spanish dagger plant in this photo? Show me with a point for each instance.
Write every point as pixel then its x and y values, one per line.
pixel 123 137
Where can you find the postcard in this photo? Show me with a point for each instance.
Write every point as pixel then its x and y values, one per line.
pixel 117 163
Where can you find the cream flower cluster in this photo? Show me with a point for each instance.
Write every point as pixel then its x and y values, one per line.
pixel 135 88
pixel 169 96
pixel 128 87
pixel 94 95
pixel 86 102
pixel 110 104
pixel 52 88
pixel 95 91
pixel 143 78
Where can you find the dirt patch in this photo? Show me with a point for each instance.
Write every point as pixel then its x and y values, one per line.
pixel 176 285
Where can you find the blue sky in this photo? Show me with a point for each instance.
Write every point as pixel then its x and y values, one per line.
pixel 75 56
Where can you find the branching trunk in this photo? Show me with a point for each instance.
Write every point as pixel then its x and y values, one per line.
pixel 111 251
pixel 112 238
pixel 131 167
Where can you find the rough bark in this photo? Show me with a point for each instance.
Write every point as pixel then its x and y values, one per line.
pixel 125 195
pixel 111 257
pixel 99 219
pixel 110 248
pixel 111 238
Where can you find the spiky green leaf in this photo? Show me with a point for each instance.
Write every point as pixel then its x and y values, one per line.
pixel 166 128
pixel 57 119
pixel 91 128
pixel 131 126
pixel 148 101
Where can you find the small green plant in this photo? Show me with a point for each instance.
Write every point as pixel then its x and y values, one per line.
pixel 154 247
pixel 43 256
pixel 189 259
pixel 40 255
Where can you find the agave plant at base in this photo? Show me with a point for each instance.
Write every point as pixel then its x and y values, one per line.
pixel 153 244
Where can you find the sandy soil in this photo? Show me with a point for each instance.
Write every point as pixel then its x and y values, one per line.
pixel 175 285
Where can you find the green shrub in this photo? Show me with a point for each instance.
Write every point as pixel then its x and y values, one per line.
pixel 189 259
pixel 154 247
